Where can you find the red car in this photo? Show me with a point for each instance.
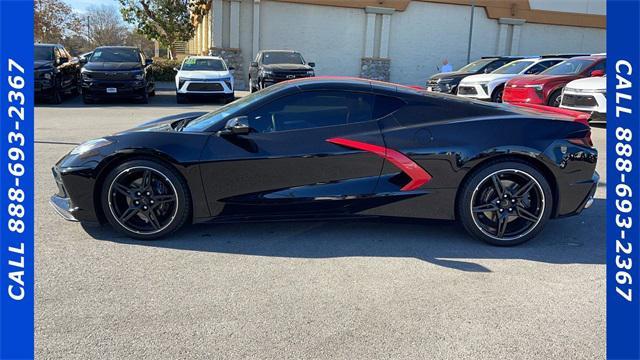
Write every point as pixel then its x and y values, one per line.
pixel 546 87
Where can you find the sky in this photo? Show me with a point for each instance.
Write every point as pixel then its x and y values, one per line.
pixel 82 5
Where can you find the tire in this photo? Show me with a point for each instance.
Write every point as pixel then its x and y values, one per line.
pixel 229 98
pixel 555 98
pixel 56 96
pixel 144 98
pixel 180 98
pixel 496 96
pixel 481 209
pixel 136 214
pixel 86 99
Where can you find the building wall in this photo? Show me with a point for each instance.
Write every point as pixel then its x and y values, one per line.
pixel 336 38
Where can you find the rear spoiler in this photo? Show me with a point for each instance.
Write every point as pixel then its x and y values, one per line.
pixel 577 116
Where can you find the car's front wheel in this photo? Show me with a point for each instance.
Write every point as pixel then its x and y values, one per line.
pixel 145 199
pixel 505 203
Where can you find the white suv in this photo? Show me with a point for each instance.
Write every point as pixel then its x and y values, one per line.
pixel 588 95
pixel 204 75
pixel 490 86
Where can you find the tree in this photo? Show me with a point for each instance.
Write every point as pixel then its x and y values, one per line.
pixel 166 21
pixel 53 20
pixel 105 26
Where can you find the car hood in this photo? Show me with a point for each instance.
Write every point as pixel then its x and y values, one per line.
pixel 540 79
pixel 285 67
pixel 591 83
pixel 202 74
pixel 109 66
pixel 42 64
pixel 452 75
pixel 164 123
pixel 485 78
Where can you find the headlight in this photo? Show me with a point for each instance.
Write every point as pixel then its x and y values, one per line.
pixel 47 75
pixel 536 86
pixel 267 72
pixel 90 145
pixel 86 74
pixel 311 73
pixel 444 80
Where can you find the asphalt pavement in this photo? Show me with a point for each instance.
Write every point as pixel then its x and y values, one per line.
pixel 327 290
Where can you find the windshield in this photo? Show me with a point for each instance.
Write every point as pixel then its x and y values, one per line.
pixel 115 55
pixel 203 65
pixel 43 53
pixel 569 67
pixel 270 58
pixel 515 67
pixel 206 121
pixel 475 66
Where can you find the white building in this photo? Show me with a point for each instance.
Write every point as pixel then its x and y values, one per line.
pixel 398 40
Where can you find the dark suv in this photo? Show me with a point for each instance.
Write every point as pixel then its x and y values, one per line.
pixel 55 73
pixel 117 72
pixel 448 82
pixel 273 66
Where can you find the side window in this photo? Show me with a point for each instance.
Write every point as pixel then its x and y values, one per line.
pixel 600 66
pixel 494 65
pixel 312 109
pixel 386 105
pixel 539 67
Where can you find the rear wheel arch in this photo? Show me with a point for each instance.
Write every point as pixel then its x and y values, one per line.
pixel 529 160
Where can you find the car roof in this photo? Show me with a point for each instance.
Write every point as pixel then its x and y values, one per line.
pixel 204 57
pixel 48 45
pixel 283 51
pixel 116 47
pixel 589 57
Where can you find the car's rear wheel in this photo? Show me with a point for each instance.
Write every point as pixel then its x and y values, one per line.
pixel 145 199
pixel 555 98
pixel 505 203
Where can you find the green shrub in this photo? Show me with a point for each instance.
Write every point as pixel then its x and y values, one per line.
pixel 163 69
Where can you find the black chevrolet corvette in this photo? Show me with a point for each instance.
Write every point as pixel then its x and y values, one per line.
pixel 329 148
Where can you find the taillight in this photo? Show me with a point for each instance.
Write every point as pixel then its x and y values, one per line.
pixel 583 141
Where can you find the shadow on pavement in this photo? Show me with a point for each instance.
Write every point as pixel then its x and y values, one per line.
pixel 575 240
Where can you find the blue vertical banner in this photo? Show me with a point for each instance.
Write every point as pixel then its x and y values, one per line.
pixel 16 180
pixel 623 181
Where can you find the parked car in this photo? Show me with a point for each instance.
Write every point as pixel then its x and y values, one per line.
pixel 546 87
pixel 448 82
pixel 273 66
pixel 204 76
pixel 491 86
pixel 588 95
pixel 329 148
pixel 84 57
pixel 54 73
pixel 117 72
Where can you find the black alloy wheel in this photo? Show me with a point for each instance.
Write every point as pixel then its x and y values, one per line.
pixel 497 95
pixel 145 199
pixel 506 204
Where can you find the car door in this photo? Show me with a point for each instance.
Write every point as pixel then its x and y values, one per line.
pixel 291 163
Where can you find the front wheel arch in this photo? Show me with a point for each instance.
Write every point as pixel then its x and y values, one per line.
pixel 529 160
pixel 119 159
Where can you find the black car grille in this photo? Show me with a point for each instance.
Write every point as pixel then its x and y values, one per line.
pixel 111 75
pixel 578 100
pixel 467 90
pixel 204 87
pixel 290 74
pixel 432 82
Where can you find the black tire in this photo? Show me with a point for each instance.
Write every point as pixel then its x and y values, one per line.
pixel 163 182
pixel 555 98
pixel 153 92
pixel 229 98
pixel 56 96
pixel 496 96
pixel 480 204
pixel 86 99
pixel 180 98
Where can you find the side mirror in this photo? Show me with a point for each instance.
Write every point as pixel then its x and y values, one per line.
pixel 231 68
pixel 176 69
pixel 597 73
pixel 312 64
pixel 237 126
pixel 63 60
pixel 254 64
pixel 148 62
pixel 83 60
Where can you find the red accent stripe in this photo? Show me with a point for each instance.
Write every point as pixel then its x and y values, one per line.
pixel 417 174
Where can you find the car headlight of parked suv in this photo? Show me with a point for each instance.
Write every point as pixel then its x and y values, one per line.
pixel 267 73
pixel 537 87
pixel 311 73
pixel 138 75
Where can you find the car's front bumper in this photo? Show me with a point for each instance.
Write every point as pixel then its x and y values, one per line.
pixel 74 200
pixel 593 103
pixel 214 86
pixel 520 94
pixel 474 91
pixel 123 88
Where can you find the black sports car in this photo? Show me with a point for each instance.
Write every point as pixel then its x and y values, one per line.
pixel 336 148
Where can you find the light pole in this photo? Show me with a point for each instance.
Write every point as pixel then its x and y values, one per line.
pixel 473 8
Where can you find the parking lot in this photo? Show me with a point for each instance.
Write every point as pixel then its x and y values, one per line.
pixel 356 289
